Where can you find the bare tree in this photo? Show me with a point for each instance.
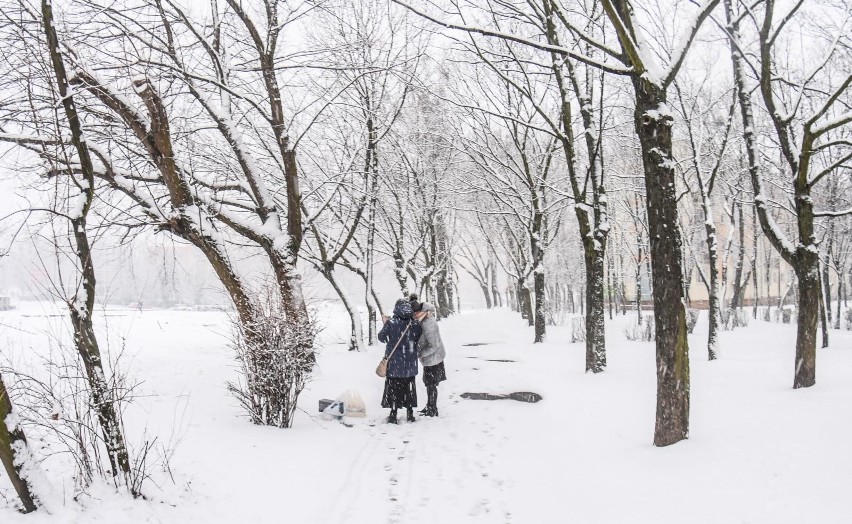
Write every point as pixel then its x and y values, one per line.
pixel 82 305
pixel 805 108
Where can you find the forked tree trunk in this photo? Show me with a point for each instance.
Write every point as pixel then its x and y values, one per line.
pixel 14 451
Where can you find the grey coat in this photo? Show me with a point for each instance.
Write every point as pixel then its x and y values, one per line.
pixel 430 346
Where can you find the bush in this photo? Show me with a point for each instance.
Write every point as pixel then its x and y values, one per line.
pixel 644 332
pixel 691 320
pixel 275 358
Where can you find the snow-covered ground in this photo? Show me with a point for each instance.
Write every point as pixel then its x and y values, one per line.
pixel 759 452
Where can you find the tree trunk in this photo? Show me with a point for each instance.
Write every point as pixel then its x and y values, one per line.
pixel 714 312
pixel 525 302
pixel 653 126
pixel 540 305
pixel 356 333
pixel 808 310
pixel 754 237
pixel 81 306
pixel 823 317
pixel 826 280
pixel 739 285
pixel 495 290
pixel 370 265
pixel 639 291
pixel 610 287
pixel 595 336
pixel 487 294
pixel 839 295
pixel 13 452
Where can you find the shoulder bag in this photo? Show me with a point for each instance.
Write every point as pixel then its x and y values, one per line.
pixel 382 368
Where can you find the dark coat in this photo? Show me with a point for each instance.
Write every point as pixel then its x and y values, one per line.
pixel 403 363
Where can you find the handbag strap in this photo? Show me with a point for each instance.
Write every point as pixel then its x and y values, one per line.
pixel 399 341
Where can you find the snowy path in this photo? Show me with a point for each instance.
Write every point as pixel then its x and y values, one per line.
pixel 759 452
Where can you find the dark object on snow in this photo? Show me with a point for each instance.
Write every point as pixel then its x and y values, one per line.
pixel 493 359
pixel 520 396
pixel 324 403
pixel 474 344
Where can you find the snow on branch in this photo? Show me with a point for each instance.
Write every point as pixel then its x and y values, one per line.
pixel 560 50
pixel 680 52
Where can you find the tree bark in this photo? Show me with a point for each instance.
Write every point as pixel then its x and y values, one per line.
pixel 739 285
pixel 653 126
pixel 595 335
pixel 525 302
pixel 13 452
pixel 540 305
pixel 495 290
pixel 714 312
pixel 808 311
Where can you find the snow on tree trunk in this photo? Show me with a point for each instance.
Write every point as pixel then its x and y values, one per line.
pixel 653 123
pixel 595 335
pixel 806 323
pixel 540 305
pixel 81 305
pixel 714 312
pixel 14 451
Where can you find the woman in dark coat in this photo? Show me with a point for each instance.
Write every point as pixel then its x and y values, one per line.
pixel 400 332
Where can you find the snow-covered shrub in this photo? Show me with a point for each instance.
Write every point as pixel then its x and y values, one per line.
pixel 644 332
pixel 578 329
pixel 691 319
pixel 276 356
pixel 55 408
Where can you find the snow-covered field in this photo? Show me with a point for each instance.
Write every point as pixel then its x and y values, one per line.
pixel 759 452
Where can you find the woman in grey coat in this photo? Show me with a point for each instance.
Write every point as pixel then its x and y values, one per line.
pixel 430 348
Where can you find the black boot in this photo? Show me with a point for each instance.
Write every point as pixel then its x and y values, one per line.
pixel 432 401
pixel 409 416
pixel 392 417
